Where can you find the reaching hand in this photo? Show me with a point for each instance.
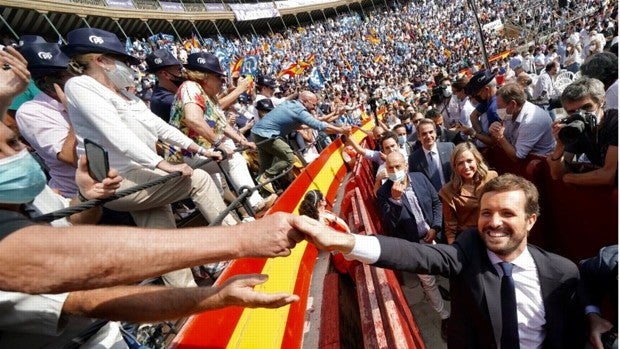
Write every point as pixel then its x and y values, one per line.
pixel 185 169
pixel 214 154
pixel 14 74
pixel 324 237
pixel 239 290
pixel 272 236
pixel 598 326
pixel 250 145
pixel 90 188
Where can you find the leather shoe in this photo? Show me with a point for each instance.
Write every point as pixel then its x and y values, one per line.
pixel 262 179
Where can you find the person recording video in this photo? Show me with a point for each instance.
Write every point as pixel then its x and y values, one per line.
pixel 586 151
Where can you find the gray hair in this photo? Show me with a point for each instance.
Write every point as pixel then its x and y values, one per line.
pixel 584 87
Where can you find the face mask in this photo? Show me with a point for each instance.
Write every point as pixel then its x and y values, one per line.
pixel 121 76
pixel 396 176
pixel 177 81
pixel 409 128
pixel 21 178
pixel 402 140
pixel 501 112
pixel 447 92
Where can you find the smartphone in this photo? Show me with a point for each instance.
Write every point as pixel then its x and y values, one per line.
pixel 98 165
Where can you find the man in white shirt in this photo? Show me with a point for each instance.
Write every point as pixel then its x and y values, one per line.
pixel 541 286
pixel 526 127
pixel 44 121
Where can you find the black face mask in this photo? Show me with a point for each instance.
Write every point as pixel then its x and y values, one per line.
pixel 177 81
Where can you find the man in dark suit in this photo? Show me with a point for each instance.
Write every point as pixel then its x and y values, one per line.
pixel 543 311
pixel 411 210
pixel 599 281
pixel 431 152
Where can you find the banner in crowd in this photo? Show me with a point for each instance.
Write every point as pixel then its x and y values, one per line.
pixel 494 26
pixel 286 4
pixel 120 3
pixel 171 6
pixel 215 7
pixel 249 66
pixel 249 12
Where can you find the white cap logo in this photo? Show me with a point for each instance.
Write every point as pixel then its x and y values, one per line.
pixel 45 55
pixel 481 78
pixel 201 60
pixel 97 40
pixel 158 61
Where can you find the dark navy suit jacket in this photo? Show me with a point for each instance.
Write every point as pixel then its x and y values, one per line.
pixel 475 319
pixel 419 163
pixel 398 220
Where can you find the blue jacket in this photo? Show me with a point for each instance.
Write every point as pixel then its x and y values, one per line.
pixel 286 118
pixel 398 220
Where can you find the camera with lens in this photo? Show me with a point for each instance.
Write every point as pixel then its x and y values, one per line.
pixel 577 124
pixel 437 96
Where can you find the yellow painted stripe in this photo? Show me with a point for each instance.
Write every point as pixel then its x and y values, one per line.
pixel 264 328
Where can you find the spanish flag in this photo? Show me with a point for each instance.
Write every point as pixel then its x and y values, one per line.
pixel 236 66
pixel 290 70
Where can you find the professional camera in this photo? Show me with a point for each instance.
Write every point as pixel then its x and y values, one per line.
pixel 576 125
pixel 437 96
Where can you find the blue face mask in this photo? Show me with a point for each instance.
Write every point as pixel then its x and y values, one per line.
pixel 397 176
pixel 402 140
pixel 409 128
pixel 21 178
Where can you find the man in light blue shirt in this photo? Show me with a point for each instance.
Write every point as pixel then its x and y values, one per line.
pixel 275 155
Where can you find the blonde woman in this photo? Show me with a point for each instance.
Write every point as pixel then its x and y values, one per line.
pixel 199 114
pixel 459 197
pixel 101 109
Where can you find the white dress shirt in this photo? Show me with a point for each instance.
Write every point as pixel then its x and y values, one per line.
pixel 530 306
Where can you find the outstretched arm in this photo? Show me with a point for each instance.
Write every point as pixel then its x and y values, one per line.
pixel 159 303
pixel 87 257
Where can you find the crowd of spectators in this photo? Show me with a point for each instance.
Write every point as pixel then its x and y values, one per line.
pixel 408 68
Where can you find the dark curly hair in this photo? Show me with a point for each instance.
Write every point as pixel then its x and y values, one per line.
pixel 309 206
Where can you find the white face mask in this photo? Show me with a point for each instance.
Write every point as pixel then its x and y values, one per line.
pixel 447 92
pixel 396 176
pixel 501 112
pixel 121 75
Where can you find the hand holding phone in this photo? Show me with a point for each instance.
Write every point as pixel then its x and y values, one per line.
pixel 98 165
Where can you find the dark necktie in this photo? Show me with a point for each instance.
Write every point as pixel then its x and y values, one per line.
pixel 510 330
pixel 432 170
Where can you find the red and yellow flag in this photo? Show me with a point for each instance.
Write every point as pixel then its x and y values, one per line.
pixel 236 66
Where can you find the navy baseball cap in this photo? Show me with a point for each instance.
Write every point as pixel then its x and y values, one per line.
pixel 264 104
pixel 159 59
pixel 262 80
pixel 31 39
pixel 204 62
pixel 93 40
pixel 44 58
pixel 478 81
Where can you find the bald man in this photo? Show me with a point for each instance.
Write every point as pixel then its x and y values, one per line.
pixel 275 155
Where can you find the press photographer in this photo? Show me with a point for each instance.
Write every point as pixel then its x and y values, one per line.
pixel 586 151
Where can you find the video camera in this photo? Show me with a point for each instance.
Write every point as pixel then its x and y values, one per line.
pixel 576 125
pixel 437 96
